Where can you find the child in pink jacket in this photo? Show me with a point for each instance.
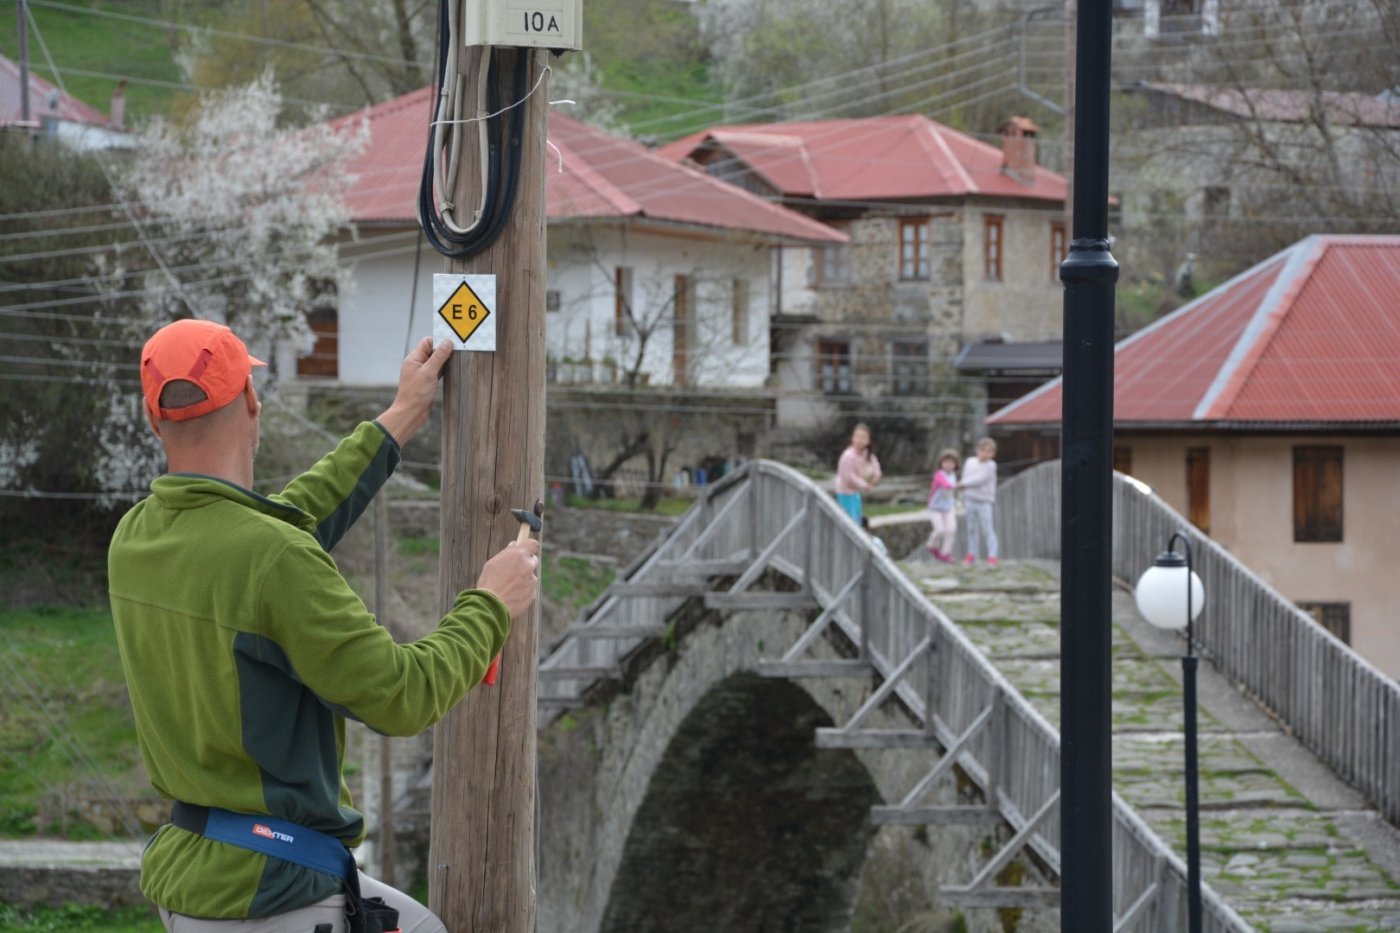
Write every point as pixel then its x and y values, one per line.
pixel 940 506
pixel 858 471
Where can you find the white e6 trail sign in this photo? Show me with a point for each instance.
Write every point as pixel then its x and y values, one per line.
pixel 466 310
pixel 542 24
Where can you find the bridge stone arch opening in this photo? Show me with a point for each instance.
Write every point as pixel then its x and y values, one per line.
pixel 629 783
pixel 746 824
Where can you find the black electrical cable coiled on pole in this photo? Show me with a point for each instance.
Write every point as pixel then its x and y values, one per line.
pixel 504 133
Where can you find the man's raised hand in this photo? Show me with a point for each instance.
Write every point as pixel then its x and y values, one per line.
pixel 418 378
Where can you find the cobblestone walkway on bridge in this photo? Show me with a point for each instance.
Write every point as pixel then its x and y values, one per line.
pixel 1286 843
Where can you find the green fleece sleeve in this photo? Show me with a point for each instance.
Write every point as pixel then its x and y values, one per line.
pixel 338 489
pixel 337 649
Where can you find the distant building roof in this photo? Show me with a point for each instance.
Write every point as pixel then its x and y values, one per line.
pixel 1287 106
pixel 1008 356
pixel 1309 336
pixel 45 100
pixel 870 158
pixel 591 174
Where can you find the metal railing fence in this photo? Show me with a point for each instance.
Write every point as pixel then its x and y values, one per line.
pixel 1339 705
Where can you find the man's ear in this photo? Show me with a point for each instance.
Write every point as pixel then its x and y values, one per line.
pixel 151 418
pixel 250 397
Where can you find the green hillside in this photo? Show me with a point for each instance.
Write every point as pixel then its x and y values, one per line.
pixel 94 49
pixel 649 54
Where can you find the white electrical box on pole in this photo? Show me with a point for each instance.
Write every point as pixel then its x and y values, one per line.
pixel 538 24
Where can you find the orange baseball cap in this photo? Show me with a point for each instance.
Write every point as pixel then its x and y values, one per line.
pixel 202 352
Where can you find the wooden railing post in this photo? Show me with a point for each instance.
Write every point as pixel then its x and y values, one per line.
pixel 867 597
pixel 996 748
pixel 809 533
pixel 931 677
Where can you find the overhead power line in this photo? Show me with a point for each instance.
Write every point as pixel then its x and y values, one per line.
pixel 166 24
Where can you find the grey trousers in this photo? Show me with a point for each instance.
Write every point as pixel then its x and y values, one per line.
pixel 980 527
pixel 413 916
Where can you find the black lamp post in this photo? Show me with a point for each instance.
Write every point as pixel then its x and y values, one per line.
pixel 1086 525
pixel 1170 596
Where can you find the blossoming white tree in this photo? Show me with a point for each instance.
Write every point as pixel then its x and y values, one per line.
pixel 236 220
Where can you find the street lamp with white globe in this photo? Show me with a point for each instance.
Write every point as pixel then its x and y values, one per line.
pixel 1170 596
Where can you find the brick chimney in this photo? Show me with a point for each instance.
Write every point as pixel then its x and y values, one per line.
pixel 1018 148
pixel 116 114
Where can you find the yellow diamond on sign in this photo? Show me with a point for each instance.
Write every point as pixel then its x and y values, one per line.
pixel 464 312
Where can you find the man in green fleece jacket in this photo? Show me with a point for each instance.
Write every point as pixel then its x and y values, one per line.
pixel 245 650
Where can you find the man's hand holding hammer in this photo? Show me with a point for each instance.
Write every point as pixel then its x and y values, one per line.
pixel 529 521
pixel 513 575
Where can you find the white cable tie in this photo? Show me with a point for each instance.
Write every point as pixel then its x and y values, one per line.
pixel 557 153
pixel 564 100
pixel 538 82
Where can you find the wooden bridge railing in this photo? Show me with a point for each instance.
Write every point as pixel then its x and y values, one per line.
pixel 767 515
pixel 1339 705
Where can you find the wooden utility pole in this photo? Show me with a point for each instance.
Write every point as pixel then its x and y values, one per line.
pixel 481 854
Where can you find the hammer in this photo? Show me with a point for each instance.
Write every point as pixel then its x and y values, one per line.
pixel 529 521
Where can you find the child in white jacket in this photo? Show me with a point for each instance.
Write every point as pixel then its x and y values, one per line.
pixel 979 486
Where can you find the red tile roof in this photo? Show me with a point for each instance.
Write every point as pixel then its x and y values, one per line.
pixel 590 174
pixel 41 94
pixel 870 158
pixel 1311 335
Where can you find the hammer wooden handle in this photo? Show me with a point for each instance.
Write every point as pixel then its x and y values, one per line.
pixel 494 670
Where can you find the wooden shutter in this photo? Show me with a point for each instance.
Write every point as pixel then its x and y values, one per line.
pixel 1123 460
pixel 1198 487
pixel 1317 493
pixel 1335 617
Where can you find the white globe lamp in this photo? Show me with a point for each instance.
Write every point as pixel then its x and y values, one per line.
pixel 1161 592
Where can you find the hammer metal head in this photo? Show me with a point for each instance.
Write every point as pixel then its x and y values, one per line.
pixel 531 518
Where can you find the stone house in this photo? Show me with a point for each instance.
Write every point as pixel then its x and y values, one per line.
pixel 1232 164
pixel 1267 411
pixel 951 240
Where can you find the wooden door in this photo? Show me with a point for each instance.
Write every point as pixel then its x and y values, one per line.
pixel 680 330
pixel 324 358
pixel 1198 487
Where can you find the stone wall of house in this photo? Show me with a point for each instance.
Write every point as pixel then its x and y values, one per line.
pixel 1028 302
pixel 887 308
pixel 698 429
pixel 704 428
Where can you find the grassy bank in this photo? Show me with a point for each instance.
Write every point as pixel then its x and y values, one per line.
pixel 72 918
pixel 67 735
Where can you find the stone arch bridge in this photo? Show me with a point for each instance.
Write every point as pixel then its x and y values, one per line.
pixel 765 724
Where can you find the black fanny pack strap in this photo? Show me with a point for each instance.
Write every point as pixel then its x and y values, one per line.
pixel 367 914
pixel 189 817
pixel 354 905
